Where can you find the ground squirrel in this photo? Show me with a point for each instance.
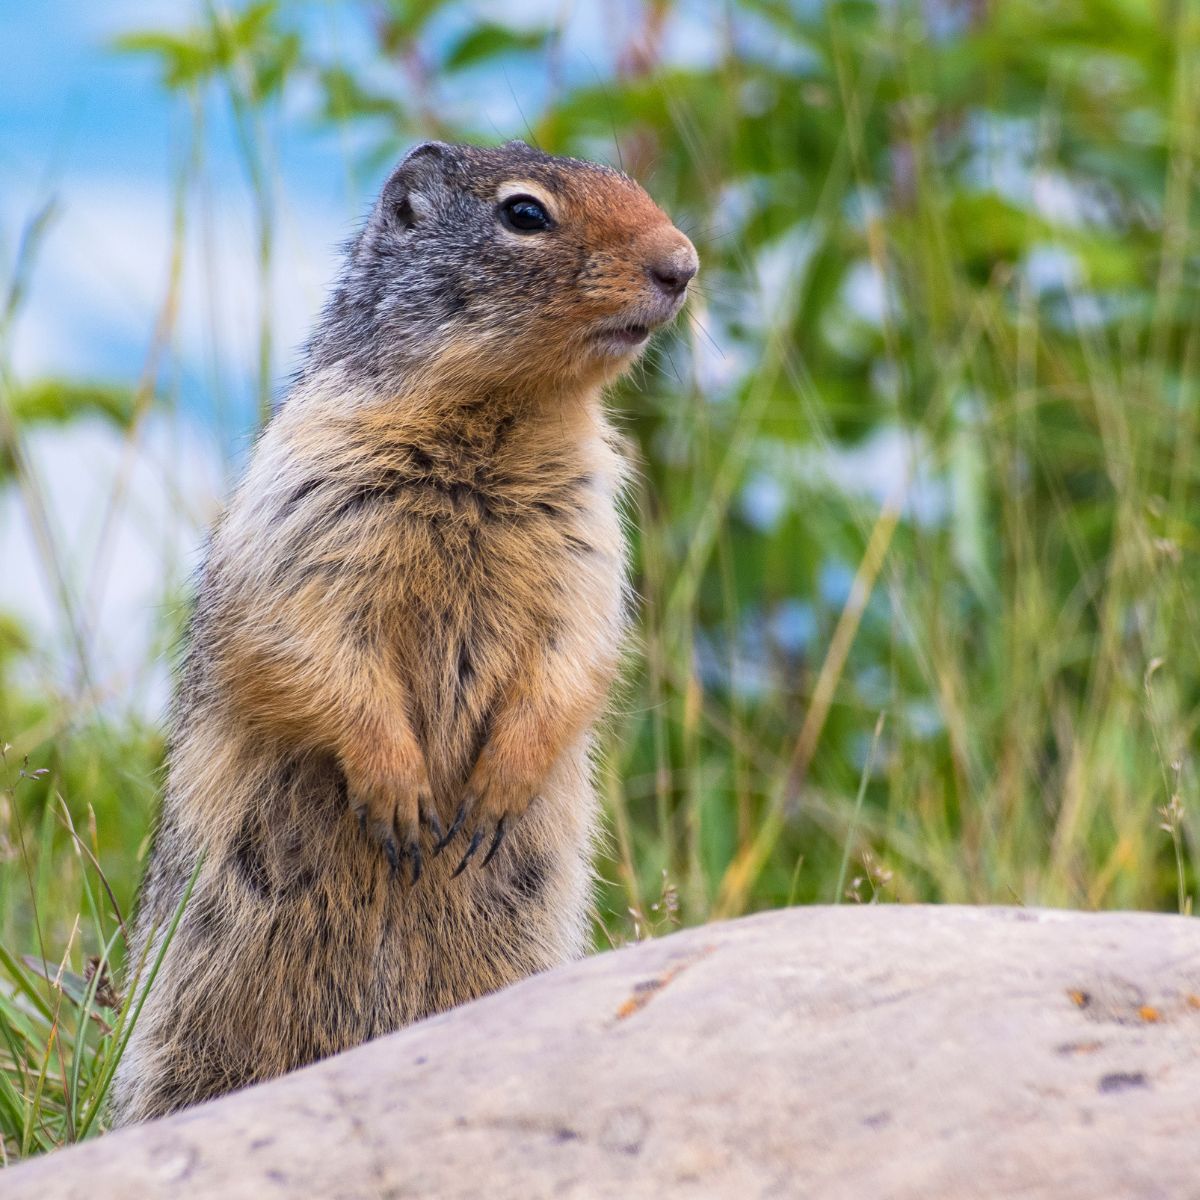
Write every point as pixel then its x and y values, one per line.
pixel 407 622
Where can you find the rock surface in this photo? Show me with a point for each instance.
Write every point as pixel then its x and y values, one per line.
pixel 830 1052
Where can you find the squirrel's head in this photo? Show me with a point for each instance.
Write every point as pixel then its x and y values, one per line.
pixel 507 263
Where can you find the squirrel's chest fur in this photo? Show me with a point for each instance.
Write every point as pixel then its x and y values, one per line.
pixel 452 550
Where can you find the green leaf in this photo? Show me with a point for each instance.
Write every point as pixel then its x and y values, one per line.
pixel 486 42
pixel 184 59
pixel 56 401
pixel 345 97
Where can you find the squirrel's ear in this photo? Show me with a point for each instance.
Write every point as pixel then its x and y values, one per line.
pixel 426 153
pixel 408 192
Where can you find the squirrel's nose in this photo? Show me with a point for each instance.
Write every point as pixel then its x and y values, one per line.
pixel 673 272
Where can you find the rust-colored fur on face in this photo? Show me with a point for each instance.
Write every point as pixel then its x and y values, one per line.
pixel 407 623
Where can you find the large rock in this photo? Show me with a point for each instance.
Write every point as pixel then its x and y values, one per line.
pixel 856 1052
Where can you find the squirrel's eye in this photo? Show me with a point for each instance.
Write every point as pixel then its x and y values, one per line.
pixel 523 214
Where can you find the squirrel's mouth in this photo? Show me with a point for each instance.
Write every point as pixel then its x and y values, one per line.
pixel 628 332
pixel 630 335
pixel 622 338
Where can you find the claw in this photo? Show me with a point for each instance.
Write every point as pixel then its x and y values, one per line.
pixel 415 852
pixel 361 814
pixel 500 832
pixel 430 818
pixel 457 824
pixel 466 858
pixel 392 851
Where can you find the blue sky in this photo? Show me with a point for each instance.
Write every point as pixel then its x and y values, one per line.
pixel 93 131
pixel 66 102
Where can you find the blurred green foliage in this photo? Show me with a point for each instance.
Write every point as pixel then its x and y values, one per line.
pixel 916 528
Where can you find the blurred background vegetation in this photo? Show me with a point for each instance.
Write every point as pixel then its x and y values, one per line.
pixel 916 531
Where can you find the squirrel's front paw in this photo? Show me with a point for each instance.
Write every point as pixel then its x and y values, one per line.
pixel 391 806
pixel 497 795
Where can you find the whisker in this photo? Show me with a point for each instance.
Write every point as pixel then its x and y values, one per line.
pixel 695 320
